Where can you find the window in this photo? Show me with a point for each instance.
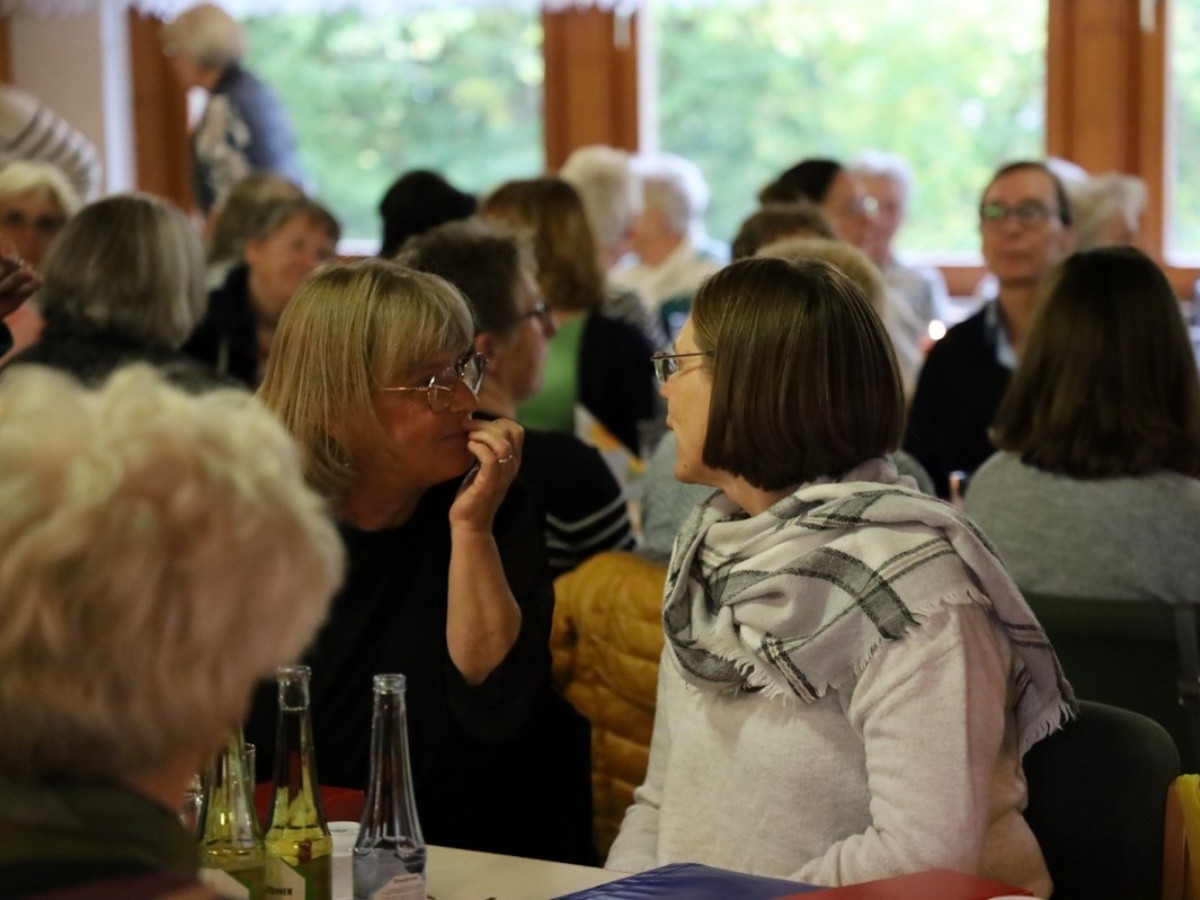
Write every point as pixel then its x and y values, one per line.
pixel 372 96
pixel 746 90
pixel 1183 177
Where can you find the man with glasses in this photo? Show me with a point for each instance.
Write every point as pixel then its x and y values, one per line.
pixel 1025 230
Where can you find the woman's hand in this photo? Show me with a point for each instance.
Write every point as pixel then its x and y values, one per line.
pixel 482 617
pixel 497 448
pixel 18 282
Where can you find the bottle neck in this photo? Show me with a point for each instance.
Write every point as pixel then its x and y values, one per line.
pixel 295 761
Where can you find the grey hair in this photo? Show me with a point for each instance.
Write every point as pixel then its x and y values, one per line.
pixel 604 178
pixel 131 264
pixel 23 175
pixel 885 165
pixel 674 187
pixel 1097 200
pixel 207 35
pixel 159 553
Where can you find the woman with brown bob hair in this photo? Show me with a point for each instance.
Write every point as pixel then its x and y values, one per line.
pixel 824 619
pixel 594 361
pixel 1099 438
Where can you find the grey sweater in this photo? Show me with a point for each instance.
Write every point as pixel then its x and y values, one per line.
pixel 1111 538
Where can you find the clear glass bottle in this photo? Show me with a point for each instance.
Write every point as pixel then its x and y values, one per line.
pixel 389 855
pixel 231 843
pixel 299 847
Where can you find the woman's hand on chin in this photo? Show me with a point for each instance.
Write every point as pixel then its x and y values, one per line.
pixel 496 446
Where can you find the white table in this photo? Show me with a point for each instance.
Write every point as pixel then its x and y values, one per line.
pixel 469 875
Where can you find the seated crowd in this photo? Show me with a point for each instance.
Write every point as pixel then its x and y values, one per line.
pixel 214 463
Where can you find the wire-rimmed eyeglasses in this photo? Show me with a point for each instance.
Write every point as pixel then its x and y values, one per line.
pixel 468 369
pixel 540 312
pixel 667 364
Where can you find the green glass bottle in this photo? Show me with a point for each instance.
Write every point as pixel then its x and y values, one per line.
pixel 232 855
pixel 299 847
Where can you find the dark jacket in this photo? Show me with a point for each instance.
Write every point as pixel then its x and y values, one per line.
pixel 226 338
pixel 616 378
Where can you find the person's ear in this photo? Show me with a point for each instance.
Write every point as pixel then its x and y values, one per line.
pixel 252 251
pixel 486 344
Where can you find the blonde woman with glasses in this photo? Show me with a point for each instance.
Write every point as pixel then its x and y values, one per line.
pixel 374 374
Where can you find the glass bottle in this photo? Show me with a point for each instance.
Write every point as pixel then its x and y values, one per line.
pixel 299 847
pixel 389 855
pixel 231 844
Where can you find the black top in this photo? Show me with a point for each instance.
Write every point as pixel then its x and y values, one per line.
pixel 92 354
pixel 226 337
pixel 958 392
pixel 501 767
pixel 616 377
pixel 585 508
pixel 90 839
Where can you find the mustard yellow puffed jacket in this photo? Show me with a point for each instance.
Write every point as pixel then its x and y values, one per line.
pixel 606 642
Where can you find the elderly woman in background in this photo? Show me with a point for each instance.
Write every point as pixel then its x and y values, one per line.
pixel 585 509
pixel 124 283
pixel 375 375
pixel 1107 209
pixel 823 620
pixel 292 237
pixel 36 199
pixel 1094 492
pixel 239 217
pixel 244 127
pixel 599 363
pixel 159 553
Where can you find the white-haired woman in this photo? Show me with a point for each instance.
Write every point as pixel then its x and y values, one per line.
pixel 374 374
pixel 124 283
pixel 36 199
pixel 159 554
pixel 244 127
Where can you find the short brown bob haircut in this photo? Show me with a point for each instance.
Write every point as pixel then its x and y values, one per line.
pixel 805 381
pixel 1107 386
pixel 775 221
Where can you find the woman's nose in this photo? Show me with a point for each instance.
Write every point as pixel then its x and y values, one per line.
pixel 463 400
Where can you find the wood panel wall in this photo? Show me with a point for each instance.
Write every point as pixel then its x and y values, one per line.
pixel 591 82
pixel 161 146
pixel 1105 97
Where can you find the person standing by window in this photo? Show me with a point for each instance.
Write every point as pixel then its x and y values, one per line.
pixel 244 127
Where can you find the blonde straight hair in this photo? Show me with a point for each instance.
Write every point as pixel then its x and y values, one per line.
pixel 352 328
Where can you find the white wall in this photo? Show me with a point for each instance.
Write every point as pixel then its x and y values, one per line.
pixel 79 66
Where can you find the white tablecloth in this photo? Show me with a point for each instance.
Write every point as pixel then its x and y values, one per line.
pixel 468 875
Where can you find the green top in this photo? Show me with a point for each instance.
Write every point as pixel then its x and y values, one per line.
pixel 553 407
pixel 61 834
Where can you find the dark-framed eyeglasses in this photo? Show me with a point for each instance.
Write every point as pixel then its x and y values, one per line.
pixel 540 312
pixel 468 369
pixel 1027 212
pixel 667 364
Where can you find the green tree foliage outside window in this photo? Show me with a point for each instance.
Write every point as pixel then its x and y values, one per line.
pixel 747 89
pixel 1183 233
pixel 454 90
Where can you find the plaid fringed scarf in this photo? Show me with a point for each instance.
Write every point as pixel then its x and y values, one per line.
pixel 795 601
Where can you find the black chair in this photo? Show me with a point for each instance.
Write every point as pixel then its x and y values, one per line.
pixel 1097 803
pixel 1136 654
